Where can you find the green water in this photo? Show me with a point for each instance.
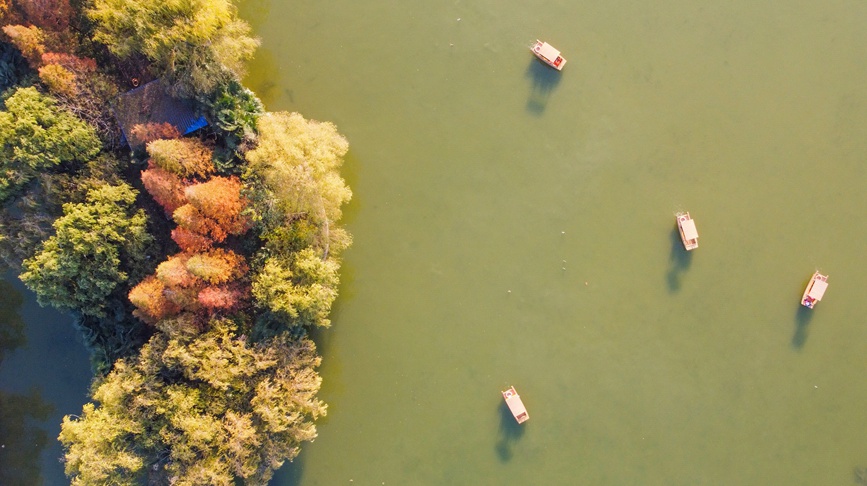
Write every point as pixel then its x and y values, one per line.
pixel 515 226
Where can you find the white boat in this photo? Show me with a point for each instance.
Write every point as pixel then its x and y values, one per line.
pixel 516 406
pixel 547 54
pixel 815 290
pixel 688 233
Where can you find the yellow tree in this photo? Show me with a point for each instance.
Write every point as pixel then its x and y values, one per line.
pixel 196 46
pixel 201 410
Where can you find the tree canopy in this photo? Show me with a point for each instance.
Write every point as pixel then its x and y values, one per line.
pixel 197 45
pixel 96 246
pixel 201 411
pixel 298 160
pixel 37 135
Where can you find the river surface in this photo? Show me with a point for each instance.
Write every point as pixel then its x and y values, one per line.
pixel 515 226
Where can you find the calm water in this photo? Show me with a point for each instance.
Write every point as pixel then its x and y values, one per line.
pixel 44 375
pixel 478 171
pixel 514 226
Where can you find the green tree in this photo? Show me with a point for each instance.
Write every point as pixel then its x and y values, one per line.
pixel 97 245
pixel 299 162
pixel 35 135
pixel 195 45
pixel 297 290
pixel 198 411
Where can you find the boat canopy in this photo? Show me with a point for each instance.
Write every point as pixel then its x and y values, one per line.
pixel 516 405
pixel 818 289
pixel 689 231
pixel 548 52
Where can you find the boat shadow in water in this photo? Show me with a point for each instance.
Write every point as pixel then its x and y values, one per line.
pixel 679 260
pixel 510 432
pixel 802 323
pixel 543 80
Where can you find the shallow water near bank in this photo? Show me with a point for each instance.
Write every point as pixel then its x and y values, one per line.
pixel 44 374
pixel 515 226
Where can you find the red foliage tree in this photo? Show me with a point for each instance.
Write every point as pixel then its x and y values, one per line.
pixel 47 14
pixel 190 241
pixel 165 187
pixel 144 133
pixel 220 200
pixel 187 216
pixel 174 274
pixel 222 297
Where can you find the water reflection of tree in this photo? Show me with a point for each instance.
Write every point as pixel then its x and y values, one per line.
pixel 21 440
pixel 11 324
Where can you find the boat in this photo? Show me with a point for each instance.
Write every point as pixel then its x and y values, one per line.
pixel 516 406
pixel 547 54
pixel 815 290
pixel 688 233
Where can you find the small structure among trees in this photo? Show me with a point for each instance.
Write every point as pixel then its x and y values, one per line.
pixel 149 113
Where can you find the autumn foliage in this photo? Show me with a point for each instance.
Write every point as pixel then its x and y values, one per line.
pixel 195 283
pixel 150 300
pixel 190 218
pixel 217 266
pixel 191 241
pixel 220 200
pixel 47 14
pixel 222 297
pixel 29 40
pixel 184 157
pixel 144 133
pixel 165 187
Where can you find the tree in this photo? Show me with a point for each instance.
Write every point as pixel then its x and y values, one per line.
pixel 298 160
pixel 25 220
pixel 190 241
pixel 144 133
pixel 35 136
pixel 184 157
pixel 222 297
pixel 219 199
pixel 150 300
pixel 173 272
pixel 217 266
pixel 201 410
pixel 58 79
pixel 166 188
pixel 299 291
pixel 196 46
pixel 82 90
pixel 48 14
pixel 235 109
pixel 97 246
pixel 190 218
pixel 29 40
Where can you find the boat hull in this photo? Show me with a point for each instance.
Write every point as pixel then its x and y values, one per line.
pixel 688 233
pixel 516 406
pixel 547 54
pixel 815 290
